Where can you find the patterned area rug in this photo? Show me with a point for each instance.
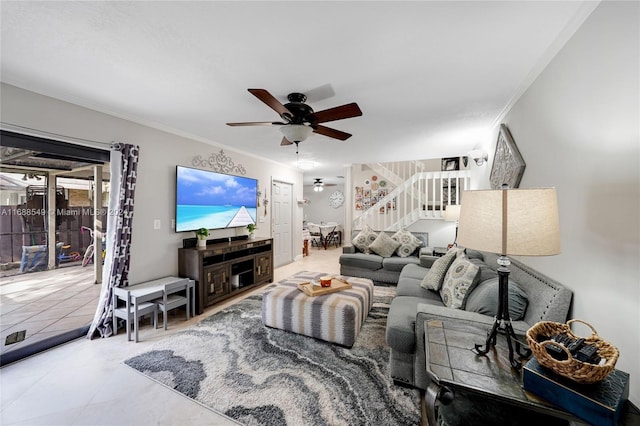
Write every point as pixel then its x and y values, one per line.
pixel 263 376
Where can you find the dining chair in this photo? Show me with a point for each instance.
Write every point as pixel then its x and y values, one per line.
pixel 316 235
pixel 134 310
pixel 332 236
pixel 171 299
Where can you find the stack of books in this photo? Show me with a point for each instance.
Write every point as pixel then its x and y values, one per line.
pixel 599 404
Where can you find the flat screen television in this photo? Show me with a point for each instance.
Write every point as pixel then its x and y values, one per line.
pixel 207 199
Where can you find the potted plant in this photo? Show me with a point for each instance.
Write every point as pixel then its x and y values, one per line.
pixel 251 227
pixel 202 235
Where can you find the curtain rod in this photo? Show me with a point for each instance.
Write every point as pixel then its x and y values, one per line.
pixel 44 133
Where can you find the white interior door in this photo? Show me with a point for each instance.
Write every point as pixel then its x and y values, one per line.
pixel 282 212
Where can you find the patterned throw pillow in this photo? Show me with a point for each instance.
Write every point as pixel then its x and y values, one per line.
pixel 364 239
pixel 408 242
pixel 384 245
pixel 460 279
pixel 435 275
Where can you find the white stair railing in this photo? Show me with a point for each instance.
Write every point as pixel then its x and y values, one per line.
pixel 397 172
pixel 423 196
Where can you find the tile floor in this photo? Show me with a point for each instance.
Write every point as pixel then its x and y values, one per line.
pixel 46 303
pixel 85 382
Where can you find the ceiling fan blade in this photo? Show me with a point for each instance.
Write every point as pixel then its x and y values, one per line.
pixel 285 141
pixel 336 113
pixel 320 93
pixel 272 102
pixel 257 123
pixel 332 133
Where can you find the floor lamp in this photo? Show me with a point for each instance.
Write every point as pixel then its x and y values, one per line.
pixel 520 222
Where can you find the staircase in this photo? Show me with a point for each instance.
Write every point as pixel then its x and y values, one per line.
pixel 397 172
pixel 423 195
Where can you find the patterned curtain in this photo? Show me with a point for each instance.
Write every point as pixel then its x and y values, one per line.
pixel 124 165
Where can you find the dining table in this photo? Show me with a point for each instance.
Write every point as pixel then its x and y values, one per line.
pixel 327 229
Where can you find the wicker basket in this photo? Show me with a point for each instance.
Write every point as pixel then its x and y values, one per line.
pixel 578 371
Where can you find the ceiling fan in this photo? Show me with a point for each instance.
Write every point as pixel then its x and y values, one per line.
pixel 318 185
pixel 299 120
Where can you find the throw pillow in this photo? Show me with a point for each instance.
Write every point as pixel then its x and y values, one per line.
pixel 460 279
pixel 384 245
pixel 408 242
pixel 485 270
pixel 484 299
pixel 364 239
pixel 435 275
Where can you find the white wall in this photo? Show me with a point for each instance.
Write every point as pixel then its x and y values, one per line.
pixel 318 210
pixel 577 128
pixel 154 253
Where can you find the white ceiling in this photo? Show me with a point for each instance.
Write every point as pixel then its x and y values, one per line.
pixel 431 78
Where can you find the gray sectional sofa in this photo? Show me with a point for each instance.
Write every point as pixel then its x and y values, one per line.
pixel 356 263
pixel 532 295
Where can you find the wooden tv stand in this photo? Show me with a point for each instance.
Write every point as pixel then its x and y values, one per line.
pixel 222 270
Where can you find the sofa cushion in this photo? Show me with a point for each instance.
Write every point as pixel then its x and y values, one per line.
pixel 397 264
pixel 364 239
pixel 400 333
pixel 486 272
pixel 413 272
pixel 484 299
pixel 435 276
pixel 474 254
pixel 408 242
pixel 459 280
pixel 370 262
pixel 384 245
pixel 409 284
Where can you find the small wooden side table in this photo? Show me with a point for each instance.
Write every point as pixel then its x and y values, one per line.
pixel 440 251
pixel 453 366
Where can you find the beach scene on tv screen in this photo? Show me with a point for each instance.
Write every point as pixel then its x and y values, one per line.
pixel 206 199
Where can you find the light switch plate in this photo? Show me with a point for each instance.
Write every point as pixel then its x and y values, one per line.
pixel 156 224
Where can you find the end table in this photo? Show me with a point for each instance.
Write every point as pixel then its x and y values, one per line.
pixel 453 367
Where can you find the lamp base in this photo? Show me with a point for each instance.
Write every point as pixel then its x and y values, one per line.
pixel 502 321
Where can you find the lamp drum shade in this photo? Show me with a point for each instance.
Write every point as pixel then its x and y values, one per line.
pixel 520 222
pixel 452 213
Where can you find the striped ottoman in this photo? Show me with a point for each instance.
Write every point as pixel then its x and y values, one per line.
pixel 335 317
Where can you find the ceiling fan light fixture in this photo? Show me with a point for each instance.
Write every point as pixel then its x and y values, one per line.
pixel 296 132
pixel 318 186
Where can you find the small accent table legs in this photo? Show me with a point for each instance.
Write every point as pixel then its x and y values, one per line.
pixel 433 396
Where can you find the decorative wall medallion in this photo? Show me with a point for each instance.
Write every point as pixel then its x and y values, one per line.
pixel 219 162
pixel 508 164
